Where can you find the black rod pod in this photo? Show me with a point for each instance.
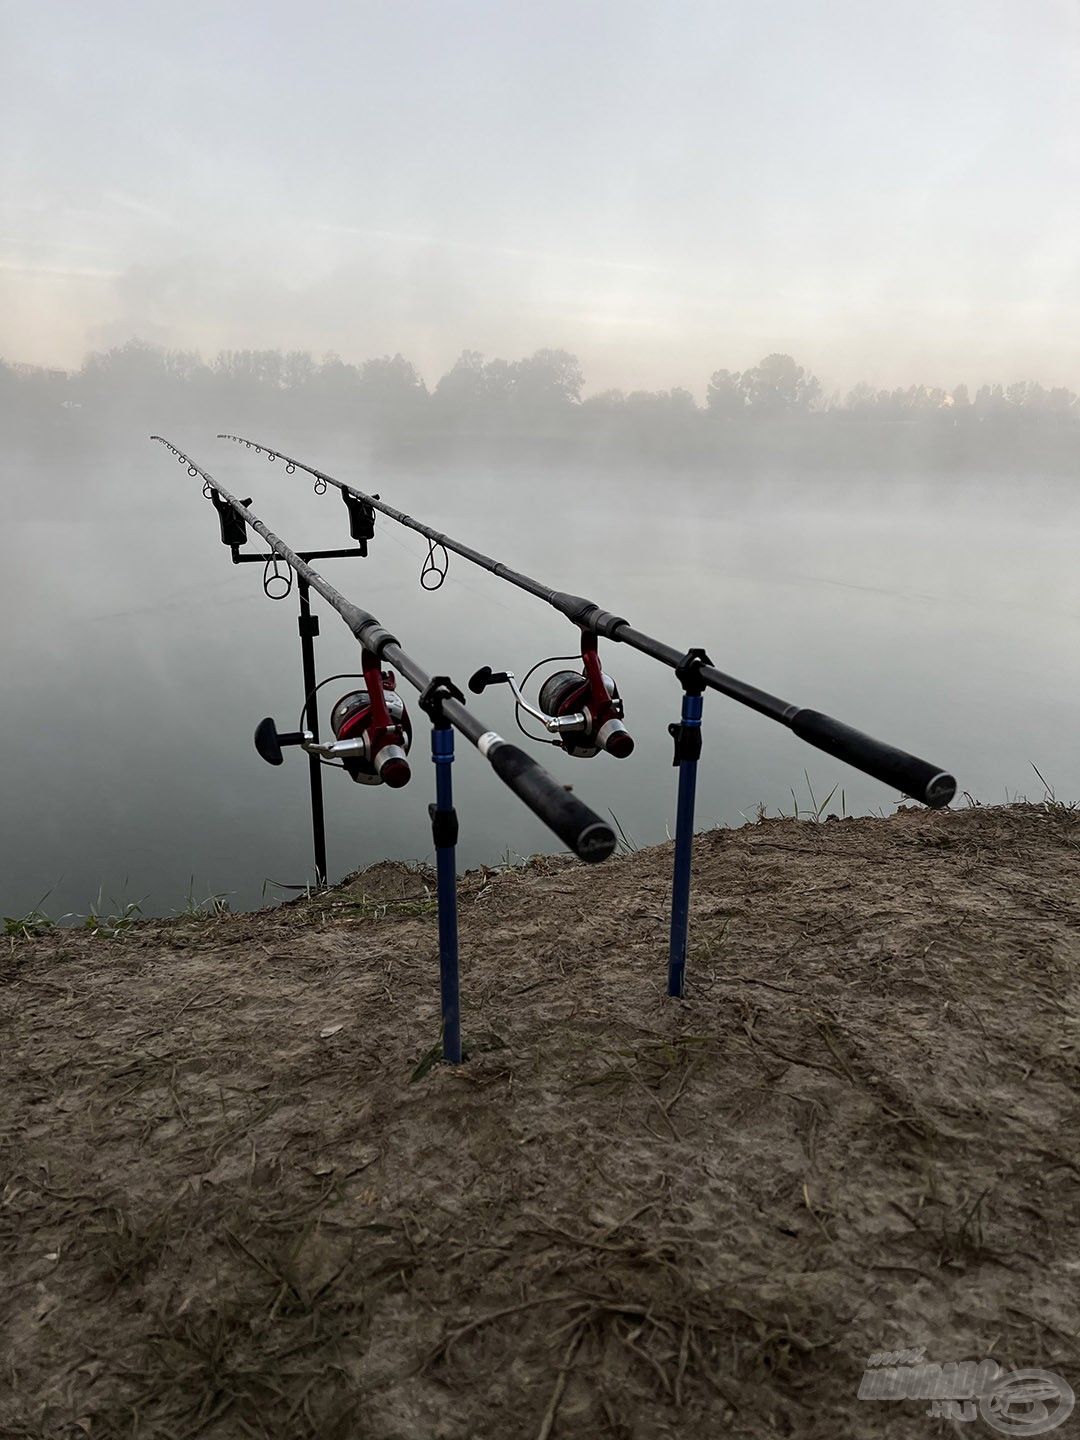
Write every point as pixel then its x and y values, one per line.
pixel 579 828
pixel 923 781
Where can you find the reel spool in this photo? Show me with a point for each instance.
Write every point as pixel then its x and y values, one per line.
pixel 582 708
pixel 567 694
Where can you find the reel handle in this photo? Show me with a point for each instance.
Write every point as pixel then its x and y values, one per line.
pixel 484 677
pixel 918 778
pixel 590 838
pixel 268 740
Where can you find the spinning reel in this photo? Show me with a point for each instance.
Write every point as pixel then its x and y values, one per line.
pixel 372 731
pixel 582 708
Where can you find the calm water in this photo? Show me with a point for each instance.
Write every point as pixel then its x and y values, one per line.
pixel 940 614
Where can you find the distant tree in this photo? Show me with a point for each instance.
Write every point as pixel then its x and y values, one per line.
pixel 336 381
pixel 534 389
pixel 249 371
pixel 724 397
pixel 862 400
pixel 676 405
pixel 1018 395
pixel 1061 403
pixel 391 382
pixel 391 396
pixel 139 373
pixel 990 402
pixel 461 394
pixel 298 370
pixel 498 384
pixel 777 386
pixel 604 402
pixel 924 400
pixel 124 366
pixel 546 379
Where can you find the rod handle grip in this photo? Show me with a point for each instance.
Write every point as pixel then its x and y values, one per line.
pixel 579 828
pixel 923 781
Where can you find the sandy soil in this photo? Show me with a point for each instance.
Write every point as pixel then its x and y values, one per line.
pixel 234 1200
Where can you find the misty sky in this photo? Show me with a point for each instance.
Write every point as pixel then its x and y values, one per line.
pixel 887 192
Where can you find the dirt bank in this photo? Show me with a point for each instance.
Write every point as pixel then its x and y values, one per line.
pixel 228 1208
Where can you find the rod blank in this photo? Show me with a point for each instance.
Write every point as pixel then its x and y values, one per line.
pixel 922 780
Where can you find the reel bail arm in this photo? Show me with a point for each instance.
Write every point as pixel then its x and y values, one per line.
pixel 554 724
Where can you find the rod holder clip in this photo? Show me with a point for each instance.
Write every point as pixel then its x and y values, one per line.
pixel 687 742
pixel 444 827
pixel 688 671
pixel 439 689
pixel 233 526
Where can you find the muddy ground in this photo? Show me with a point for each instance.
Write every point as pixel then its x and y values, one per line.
pixel 235 1200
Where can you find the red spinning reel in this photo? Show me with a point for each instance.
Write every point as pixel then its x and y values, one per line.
pixel 372 729
pixel 376 722
pixel 582 708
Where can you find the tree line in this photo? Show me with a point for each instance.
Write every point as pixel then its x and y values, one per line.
pixel 775 387
pixel 540 397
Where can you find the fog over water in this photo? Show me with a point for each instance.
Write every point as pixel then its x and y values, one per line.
pixel 937 611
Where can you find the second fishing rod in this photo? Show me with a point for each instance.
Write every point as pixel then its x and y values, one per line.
pixel 922 780
pixel 583 711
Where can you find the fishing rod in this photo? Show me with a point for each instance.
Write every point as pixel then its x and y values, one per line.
pixel 373 733
pixel 920 779
pixel 917 778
